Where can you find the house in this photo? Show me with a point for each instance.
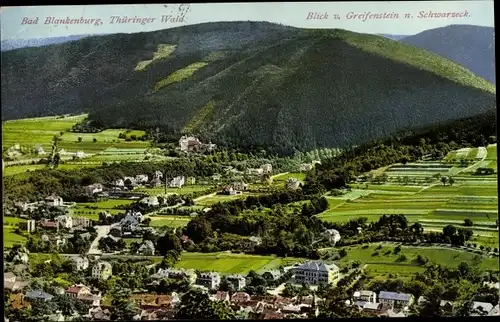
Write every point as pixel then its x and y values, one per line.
pixel 316 273
pixel 129 223
pixel 393 299
pixel 481 308
pixel 78 290
pixel 21 258
pixel 240 297
pixel 17 302
pixel 152 301
pixel 80 155
pixel 81 222
pixel 141 178
pixel 365 296
pixel 48 224
pixel 221 296
pixel 81 263
pixel 210 280
pixel 332 235
pixel 177 182
pixel 119 183
pixel 156 182
pixel 255 239
pixel 39 150
pixel 240 186
pixel 305 167
pixel 238 281
pixel 267 168
pixel 54 201
pixel 97 313
pixel 178 274
pixel 147 248
pixel 495 311
pixel 11 282
pixel 102 270
pixel 158 175
pixel 191 181
pixel 371 308
pixel 292 184
pixel 64 221
pixel 151 201
pixel 189 144
pixel 38 296
pixel 272 275
pixel 93 189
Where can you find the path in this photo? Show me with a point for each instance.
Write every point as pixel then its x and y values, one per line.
pixel 279 174
pixel 101 232
pixel 205 196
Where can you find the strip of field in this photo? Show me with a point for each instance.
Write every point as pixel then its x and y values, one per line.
pixel 492 152
pixel 286 176
pixel 227 263
pixel 91 210
pixel 220 198
pixel 170 221
pixel 178 191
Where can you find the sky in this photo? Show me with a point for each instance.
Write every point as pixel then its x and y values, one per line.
pixel 477 12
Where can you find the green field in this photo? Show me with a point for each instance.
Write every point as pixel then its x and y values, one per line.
pixel 384 264
pixel 227 263
pixel 283 177
pixel 105 205
pixel 36 131
pixel 9 236
pixel 169 220
pixel 208 201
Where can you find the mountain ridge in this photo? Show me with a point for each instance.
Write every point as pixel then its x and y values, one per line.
pixel 247 84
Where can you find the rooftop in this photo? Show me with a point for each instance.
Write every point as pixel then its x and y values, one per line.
pixel 394 296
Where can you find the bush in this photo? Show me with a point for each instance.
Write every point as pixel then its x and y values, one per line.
pixel 375 254
pixel 364 246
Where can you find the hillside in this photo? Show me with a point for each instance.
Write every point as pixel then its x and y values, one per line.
pixel 393 37
pixel 470 46
pixel 249 84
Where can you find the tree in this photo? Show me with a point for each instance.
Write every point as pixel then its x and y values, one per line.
pixel 444 180
pixel 451 181
pixel 167 242
pixel 449 231
pixel 468 222
pixel 198 229
pixel 94 140
pixel 123 309
pixel 80 139
pixel 431 307
pixel 196 305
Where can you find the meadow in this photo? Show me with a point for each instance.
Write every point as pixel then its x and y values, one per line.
pixel 382 262
pixel 91 210
pixel 169 220
pixel 178 191
pixel 228 263
pixel 9 236
pixel 212 200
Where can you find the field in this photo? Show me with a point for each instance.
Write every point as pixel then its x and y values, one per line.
pixel 209 201
pixel 283 177
pixel 9 236
pixel 227 263
pixel 91 210
pixel 386 263
pixel 432 204
pixel 169 220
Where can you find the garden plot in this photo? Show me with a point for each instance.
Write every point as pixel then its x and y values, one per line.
pixel 462 153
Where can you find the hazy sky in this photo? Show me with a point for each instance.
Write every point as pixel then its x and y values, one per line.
pixel 294 14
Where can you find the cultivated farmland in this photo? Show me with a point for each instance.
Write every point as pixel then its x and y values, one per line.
pixel 425 198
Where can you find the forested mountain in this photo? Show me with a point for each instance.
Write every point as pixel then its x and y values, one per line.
pixel 471 46
pixel 246 84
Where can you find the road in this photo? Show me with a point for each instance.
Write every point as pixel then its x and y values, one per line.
pixel 101 232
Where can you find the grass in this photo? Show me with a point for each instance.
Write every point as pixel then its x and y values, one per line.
pixel 283 177
pixel 227 263
pixel 169 220
pixel 163 51
pixel 36 131
pixel 209 201
pixel 179 75
pixel 10 237
pixel 492 152
pixel 385 264
pixel 104 205
pixel 17 169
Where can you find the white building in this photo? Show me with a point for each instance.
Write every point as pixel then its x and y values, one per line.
pixel 151 201
pixel 147 248
pixel 64 221
pixel 39 151
pixel 81 263
pixel 80 155
pixel 129 223
pixel 102 270
pixel 54 201
pixel 119 183
pixel 93 188
pixel 365 296
pixel 305 167
pixel 189 143
pixel 292 184
pixel 266 168
pixel 210 280
pixel 314 273
pixel 177 182
pixel 141 178
pixel 394 299
pixel 238 281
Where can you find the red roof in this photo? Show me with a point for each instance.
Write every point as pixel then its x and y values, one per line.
pixel 74 289
pixel 221 295
pixel 273 316
pixel 48 224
